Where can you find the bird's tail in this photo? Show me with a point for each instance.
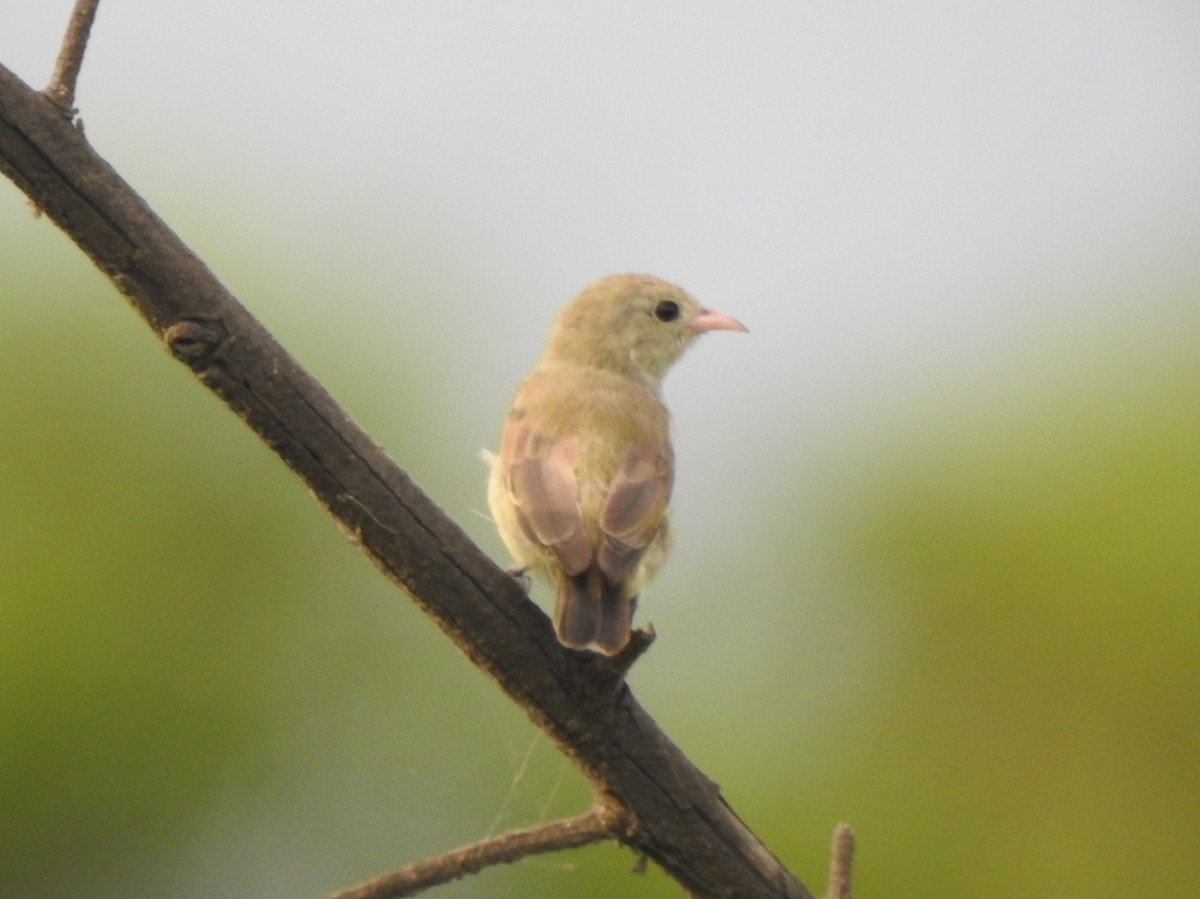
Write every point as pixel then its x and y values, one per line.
pixel 591 613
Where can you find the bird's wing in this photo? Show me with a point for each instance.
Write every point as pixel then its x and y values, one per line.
pixel 634 509
pixel 541 481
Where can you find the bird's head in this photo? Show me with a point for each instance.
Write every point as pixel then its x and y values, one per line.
pixel 637 325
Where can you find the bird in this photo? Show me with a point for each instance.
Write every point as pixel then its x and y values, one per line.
pixel 580 487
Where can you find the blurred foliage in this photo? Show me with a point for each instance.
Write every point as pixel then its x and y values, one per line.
pixel 979 644
pixel 204 689
pixel 1035 536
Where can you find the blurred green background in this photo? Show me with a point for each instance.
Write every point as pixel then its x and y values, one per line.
pixel 938 571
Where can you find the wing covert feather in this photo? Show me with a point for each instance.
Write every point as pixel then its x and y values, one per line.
pixel 634 510
pixel 541 480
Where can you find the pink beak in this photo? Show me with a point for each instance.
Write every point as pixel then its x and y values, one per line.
pixel 710 320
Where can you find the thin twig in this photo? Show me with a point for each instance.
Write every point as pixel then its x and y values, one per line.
pixel 598 823
pixel 61 90
pixel 840 863
pixel 639 641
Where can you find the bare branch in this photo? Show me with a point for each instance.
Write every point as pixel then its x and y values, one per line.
pixel 677 816
pixel 598 823
pixel 61 90
pixel 840 863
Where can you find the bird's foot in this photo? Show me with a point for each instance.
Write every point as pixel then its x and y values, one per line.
pixel 520 574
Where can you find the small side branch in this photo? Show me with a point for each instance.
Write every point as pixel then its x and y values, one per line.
pixel 596 824
pixel 841 861
pixel 61 90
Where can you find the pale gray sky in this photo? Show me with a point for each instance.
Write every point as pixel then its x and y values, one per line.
pixel 884 192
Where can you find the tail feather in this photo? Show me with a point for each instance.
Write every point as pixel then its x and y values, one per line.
pixel 591 613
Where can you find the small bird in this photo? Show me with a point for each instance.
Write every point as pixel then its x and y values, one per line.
pixel 580 487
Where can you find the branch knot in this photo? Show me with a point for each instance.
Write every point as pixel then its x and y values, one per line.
pixel 194 341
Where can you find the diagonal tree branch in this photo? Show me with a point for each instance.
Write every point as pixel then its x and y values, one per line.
pixel 670 811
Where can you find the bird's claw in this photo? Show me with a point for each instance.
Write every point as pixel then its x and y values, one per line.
pixel 520 574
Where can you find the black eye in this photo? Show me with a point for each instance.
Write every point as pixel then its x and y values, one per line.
pixel 666 311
